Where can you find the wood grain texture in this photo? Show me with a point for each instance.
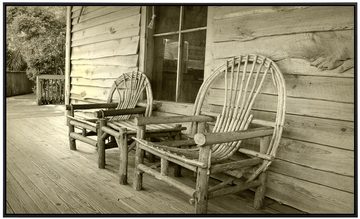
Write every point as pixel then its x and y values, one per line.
pixel 311 87
pixel 100 71
pixel 325 50
pixel 116 47
pixel 107 18
pixel 125 61
pixel 329 179
pixel 106 83
pixel 86 92
pixel 94 13
pixel 34 192
pixel 299 66
pixel 317 156
pixel 273 20
pixel 224 12
pixel 335 133
pixel 112 34
pixel 296 106
pixel 111 27
pixel 329 132
pixel 22 202
pixel 313 198
pixel 88 9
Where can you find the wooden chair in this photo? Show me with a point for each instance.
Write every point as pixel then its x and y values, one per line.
pixel 123 102
pixel 114 125
pixel 81 116
pixel 122 128
pixel 219 152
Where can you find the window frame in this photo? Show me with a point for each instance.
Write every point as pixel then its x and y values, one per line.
pixel 147 37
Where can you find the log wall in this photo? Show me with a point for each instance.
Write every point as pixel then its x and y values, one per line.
pixel 104 44
pixel 314 47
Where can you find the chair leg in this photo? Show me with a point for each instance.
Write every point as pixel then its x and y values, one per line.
pixel 260 191
pixel 139 159
pixel 123 168
pixel 138 175
pixel 101 145
pixel 72 142
pixel 201 200
pixel 202 181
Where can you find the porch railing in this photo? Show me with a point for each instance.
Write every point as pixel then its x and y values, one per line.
pixel 50 89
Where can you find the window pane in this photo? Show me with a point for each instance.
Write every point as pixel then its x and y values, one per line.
pixel 165 66
pixel 167 18
pixel 194 16
pixel 192 69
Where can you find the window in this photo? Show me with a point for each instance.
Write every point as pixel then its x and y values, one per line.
pixel 179 52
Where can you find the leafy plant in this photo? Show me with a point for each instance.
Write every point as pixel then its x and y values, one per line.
pixel 38 34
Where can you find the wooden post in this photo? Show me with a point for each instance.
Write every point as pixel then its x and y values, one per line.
pixel 123 146
pixel 38 91
pixel 72 142
pixel 179 75
pixel 202 179
pixel 142 47
pixel 67 55
pixel 261 189
pixel 139 159
pixel 101 144
pixel 146 50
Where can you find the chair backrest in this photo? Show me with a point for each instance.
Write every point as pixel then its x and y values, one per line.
pixel 238 84
pixel 128 89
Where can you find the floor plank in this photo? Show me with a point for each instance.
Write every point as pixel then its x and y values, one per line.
pixel 9 210
pixel 23 200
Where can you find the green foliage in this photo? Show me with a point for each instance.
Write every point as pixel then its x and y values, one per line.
pixel 38 32
pixel 15 61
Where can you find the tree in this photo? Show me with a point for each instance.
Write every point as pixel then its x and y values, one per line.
pixel 38 33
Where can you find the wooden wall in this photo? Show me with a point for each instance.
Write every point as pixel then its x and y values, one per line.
pixel 314 47
pixel 104 44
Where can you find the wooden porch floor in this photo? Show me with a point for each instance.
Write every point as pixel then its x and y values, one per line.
pixel 44 177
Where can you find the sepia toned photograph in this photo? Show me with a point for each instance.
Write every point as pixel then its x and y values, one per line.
pixel 180 110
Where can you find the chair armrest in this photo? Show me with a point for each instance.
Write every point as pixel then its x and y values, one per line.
pixel 171 119
pixel 91 106
pixel 203 139
pixel 119 112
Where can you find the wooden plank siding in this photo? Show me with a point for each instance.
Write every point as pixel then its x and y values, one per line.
pixel 104 45
pixel 313 46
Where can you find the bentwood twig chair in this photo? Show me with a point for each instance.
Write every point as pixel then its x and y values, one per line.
pixel 240 81
pixel 121 128
pixel 123 103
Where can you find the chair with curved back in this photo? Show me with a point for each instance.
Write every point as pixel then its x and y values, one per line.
pixel 129 96
pixel 238 84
